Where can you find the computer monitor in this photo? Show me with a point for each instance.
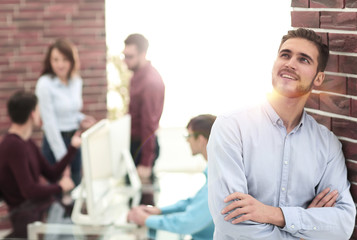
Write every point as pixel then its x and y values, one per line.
pixel 106 160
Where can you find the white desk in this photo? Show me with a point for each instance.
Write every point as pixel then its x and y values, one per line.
pixel 105 232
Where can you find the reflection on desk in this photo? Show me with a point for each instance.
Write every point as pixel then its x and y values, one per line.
pixel 37 229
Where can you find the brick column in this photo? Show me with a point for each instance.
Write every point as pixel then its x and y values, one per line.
pixel 334 104
pixel 27 27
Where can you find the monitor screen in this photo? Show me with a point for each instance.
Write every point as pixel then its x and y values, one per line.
pixel 106 160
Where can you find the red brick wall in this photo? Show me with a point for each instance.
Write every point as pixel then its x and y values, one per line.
pixel 334 104
pixel 27 27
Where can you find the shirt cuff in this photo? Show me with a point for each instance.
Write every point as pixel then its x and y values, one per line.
pixel 154 221
pixel 292 219
pixel 168 209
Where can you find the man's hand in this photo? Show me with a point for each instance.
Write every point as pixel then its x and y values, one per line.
pixel 76 139
pixel 150 209
pixel 324 199
pixel 144 172
pixel 87 122
pixel 138 216
pixel 66 184
pixel 67 172
pixel 251 209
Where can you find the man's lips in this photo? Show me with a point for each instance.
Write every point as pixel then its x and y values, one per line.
pixel 288 75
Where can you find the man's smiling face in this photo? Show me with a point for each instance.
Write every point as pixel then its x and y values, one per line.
pixel 295 68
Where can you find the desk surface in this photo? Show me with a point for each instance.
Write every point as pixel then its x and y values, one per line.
pixel 71 231
pixel 170 188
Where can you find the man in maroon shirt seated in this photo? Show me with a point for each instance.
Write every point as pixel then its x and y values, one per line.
pixel 147 92
pixel 22 164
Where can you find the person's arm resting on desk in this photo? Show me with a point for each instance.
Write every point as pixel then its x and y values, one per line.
pixel 190 216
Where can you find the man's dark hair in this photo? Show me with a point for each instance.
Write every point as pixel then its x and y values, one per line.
pixel 20 105
pixel 139 41
pixel 201 125
pixel 65 47
pixel 315 39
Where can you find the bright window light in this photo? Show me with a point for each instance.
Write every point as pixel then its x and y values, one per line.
pixel 214 55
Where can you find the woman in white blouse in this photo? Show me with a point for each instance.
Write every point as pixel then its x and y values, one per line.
pixel 59 90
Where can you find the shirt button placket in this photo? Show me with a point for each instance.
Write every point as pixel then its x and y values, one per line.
pixel 285 172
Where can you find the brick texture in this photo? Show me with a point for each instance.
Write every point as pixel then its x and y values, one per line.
pixel 339 20
pixel 334 84
pixel 313 101
pixel 351 3
pixel 300 3
pixel 305 19
pixel 327 3
pixel 335 104
pixel 27 27
pixel 348 64
pixel 332 64
pixel 337 100
pixel 344 128
pixel 352 86
pixel 343 42
pixel 354 108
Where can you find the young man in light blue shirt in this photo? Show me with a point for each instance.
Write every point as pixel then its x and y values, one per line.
pixel 190 216
pixel 268 163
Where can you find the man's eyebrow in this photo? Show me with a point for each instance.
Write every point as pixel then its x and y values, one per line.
pixel 285 50
pixel 302 54
pixel 307 56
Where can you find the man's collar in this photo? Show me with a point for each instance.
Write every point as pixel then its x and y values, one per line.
pixel 275 118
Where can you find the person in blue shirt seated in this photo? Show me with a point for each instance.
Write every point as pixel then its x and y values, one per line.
pixel 190 216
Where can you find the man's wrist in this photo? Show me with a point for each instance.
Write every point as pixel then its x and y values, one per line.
pixel 276 216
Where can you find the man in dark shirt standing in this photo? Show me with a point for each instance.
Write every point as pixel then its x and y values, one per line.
pixel 147 92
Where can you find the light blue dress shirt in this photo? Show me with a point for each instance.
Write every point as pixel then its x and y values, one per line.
pixel 190 216
pixel 60 107
pixel 249 151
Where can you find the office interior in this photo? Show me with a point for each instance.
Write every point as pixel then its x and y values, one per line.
pixel 196 78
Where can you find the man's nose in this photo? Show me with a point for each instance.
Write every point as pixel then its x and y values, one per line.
pixel 291 63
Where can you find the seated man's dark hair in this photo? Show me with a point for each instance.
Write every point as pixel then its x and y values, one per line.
pixel 201 125
pixel 20 105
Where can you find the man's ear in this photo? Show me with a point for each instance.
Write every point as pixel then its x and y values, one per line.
pixel 32 115
pixel 319 79
pixel 142 55
pixel 202 139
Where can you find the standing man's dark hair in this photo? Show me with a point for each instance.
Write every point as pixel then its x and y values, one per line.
pixel 201 125
pixel 20 106
pixel 315 39
pixel 139 41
